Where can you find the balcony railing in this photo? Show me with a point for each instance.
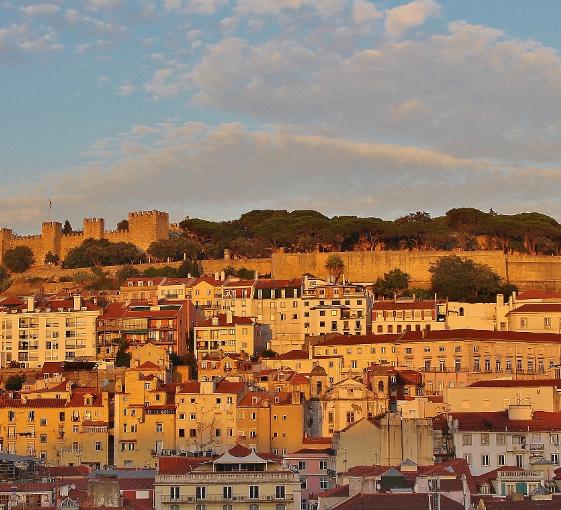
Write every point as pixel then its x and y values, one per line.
pixel 220 498
pixel 228 478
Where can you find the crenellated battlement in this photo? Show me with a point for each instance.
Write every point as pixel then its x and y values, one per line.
pixel 145 227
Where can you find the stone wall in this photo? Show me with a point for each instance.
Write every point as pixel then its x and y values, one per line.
pixel 526 271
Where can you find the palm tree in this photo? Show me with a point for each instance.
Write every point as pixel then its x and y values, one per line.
pixel 335 266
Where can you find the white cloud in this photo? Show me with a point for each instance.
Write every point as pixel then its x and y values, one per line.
pixel 335 175
pixel 400 19
pixel 364 11
pixel 126 88
pixel 165 82
pixel 325 8
pixel 103 80
pixel 40 9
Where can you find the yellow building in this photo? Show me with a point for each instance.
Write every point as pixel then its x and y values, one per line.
pixel 60 425
pixel 449 358
pixel 144 419
pixel 271 421
pixel 227 333
pixel 33 332
pixel 220 364
pixel 206 294
pixel 239 478
pixel 335 308
pixel 142 288
pixel 206 415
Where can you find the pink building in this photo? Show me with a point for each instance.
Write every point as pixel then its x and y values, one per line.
pixel 316 468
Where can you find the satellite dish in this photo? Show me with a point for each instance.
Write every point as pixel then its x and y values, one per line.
pixel 73 487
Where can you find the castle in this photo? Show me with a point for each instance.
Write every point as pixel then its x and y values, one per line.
pixel 145 227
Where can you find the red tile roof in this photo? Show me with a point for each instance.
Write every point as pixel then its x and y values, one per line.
pixel 278 284
pixel 537 308
pixel 229 387
pixel 265 398
pixel 403 305
pixel 336 492
pixel 523 383
pixel 497 421
pixel 492 475
pixel 66 471
pixel 537 294
pixel 292 355
pixel 179 465
pixel 397 501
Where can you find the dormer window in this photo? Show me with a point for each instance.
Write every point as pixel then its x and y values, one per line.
pixel 88 400
pixel 254 400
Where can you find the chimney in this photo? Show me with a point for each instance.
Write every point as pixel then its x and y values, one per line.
pixel 77 302
pixel 214 321
pixel 256 274
pixel 31 304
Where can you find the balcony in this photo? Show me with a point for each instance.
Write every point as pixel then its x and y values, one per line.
pixel 228 478
pixel 71 449
pixel 520 475
pixel 220 499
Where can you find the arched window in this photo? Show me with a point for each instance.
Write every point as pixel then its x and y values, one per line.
pixel 319 388
pixel 461 311
pixel 381 386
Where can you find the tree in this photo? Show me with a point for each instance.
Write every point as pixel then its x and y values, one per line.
pixel 67 228
pixel 394 282
pixel 188 268
pixel 51 259
pixel 466 222
pixel 123 225
pixel 4 279
pixel 14 382
pixel 19 259
pixel 100 280
pixel 335 266
pixel 268 353
pixel 174 249
pixel 125 272
pixel 461 279
pixel 101 252
pixel 245 274
pixel 123 357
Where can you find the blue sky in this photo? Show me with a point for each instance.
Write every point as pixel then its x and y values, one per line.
pixel 214 107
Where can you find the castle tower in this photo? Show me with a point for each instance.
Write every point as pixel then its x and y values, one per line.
pixel 51 235
pixel 145 227
pixel 94 228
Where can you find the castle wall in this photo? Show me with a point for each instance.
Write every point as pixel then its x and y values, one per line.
pixel 145 227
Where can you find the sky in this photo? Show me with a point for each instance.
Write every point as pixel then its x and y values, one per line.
pixel 211 108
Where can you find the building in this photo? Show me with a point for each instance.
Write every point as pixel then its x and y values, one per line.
pixel 165 324
pixel 239 478
pixel 271 421
pixel 497 394
pixel 227 333
pixel 386 441
pixel 316 470
pixel 141 288
pixel 34 332
pixel 517 437
pixel 399 316
pixel 335 308
pixel 220 364
pixel 58 424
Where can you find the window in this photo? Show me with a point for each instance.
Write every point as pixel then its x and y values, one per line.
pixel 555 459
pixel 485 439
pixel 43 438
pixel 227 492
pixel 98 447
pixel 467 458
pixel 501 459
pixel 254 491
pixel 323 483
pixel 500 439
pixel 280 492
pixel 159 427
pixel 466 440
pixel 303 483
pixel 485 459
pixel 350 417
pixel 200 492
pixel 323 465
pixel 174 493
pixel 302 465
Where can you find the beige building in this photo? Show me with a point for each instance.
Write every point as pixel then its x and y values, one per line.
pixel 33 332
pixel 239 478
pixel 387 442
pixel 499 394
pixel 227 333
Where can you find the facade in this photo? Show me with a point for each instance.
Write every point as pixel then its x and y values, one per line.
pixel 142 288
pixel 166 324
pixel 517 437
pixel 223 364
pixel 315 468
pixel 239 478
pixel 399 316
pixel 271 421
pixel 59 425
pixel 33 332
pixel 227 333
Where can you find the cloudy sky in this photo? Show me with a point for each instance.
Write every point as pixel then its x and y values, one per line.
pixel 214 107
